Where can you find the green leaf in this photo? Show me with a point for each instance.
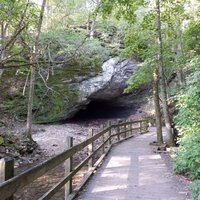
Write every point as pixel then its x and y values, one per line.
pixel 1 140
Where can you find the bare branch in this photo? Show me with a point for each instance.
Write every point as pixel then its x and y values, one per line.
pixel 50 60
pixel 45 83
pixel 19 28
pixel 26 82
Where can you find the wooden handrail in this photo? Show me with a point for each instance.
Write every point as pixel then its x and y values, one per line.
pixel 9 187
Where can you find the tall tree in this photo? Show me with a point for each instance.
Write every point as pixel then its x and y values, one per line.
pixel 11 29
pixel 16 18
pixel 178 50
pixel 92 23
pixel 174 17
pixel 127 11
pixel 155 86
pixel 162 77
pixel 33 71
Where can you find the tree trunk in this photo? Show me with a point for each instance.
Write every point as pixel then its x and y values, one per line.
pixel 93 24
pixel 28 133
pixel 3 32
pixel 179 53
pixel 181 77
pixel 169 129
pixel 88 25
pixel 30 104
pixel 157 106
pixel 92 28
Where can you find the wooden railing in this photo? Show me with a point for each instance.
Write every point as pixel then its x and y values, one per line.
pixel 108 137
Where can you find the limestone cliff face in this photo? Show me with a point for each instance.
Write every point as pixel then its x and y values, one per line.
pixel 72 89
pixel 107 85
pixel 110 83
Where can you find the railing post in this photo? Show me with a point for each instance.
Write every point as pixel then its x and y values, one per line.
pixel 125 130
pixel 6 170
pixel 146 126
pixel 130 128
pixel 90 150
pixel 118 130
pixel 110 133
pixel 143 126
pixel 104 139
pixel 68 168
pixel 140 127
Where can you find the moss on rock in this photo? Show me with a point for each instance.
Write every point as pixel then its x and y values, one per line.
pixel 82 57
pixel 52 105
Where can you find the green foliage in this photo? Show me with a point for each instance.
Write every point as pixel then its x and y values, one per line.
pixel 1 140
pixel 191 38
pixel 187 122
pixel 52 105
pixel 11 13
pixel 73 46
pixel 142 76
pixel 187 160
pixel 138 44
pixel 18 21
pixel 65 13
pixel 81 56
pixel 196 190
pixel 121 9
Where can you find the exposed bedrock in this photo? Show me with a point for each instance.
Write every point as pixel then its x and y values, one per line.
pixel 110 83
pixel 71 89
pixel 105 91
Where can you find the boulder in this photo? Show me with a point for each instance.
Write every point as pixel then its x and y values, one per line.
pixel 110 83
pixel 105 86
pixel 70 89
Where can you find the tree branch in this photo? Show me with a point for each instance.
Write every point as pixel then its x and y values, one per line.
pixel 17 31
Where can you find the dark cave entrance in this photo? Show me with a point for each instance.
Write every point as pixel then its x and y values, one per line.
pixel 104 110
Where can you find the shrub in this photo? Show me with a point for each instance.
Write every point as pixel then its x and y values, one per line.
pixel 196 190
pixel 74 47
pixel 187 122
pixel 188 156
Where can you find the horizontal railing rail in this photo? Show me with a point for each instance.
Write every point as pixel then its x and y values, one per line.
pixel 122 131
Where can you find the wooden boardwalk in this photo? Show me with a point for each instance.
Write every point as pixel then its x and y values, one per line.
pixel 133 171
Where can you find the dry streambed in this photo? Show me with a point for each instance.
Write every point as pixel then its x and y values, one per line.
pixel 52 141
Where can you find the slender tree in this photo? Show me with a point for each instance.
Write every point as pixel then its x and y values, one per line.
pixel 178 50
pixel 93 24
pixel 10 30
pixel 155 86
pixel 162 77
pixel 127 10
pixel 3 36
pixel 34 59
